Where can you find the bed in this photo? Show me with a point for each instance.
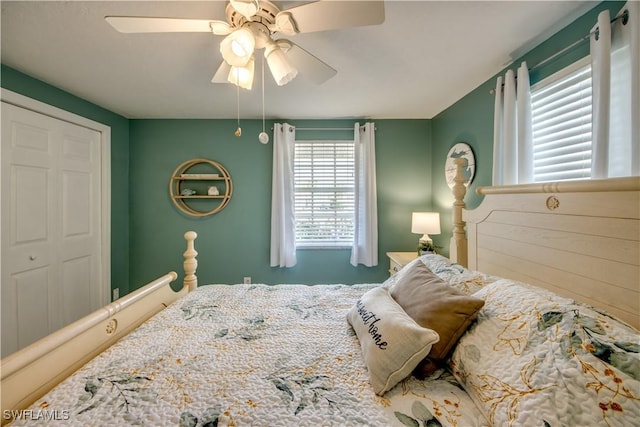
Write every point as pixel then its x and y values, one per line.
pixel 531 321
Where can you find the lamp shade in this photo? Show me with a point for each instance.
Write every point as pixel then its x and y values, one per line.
pixel 237 48
pixel 425 223
pixel 280 68
pixel 243 76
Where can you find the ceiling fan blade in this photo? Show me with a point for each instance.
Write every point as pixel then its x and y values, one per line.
pixel 335 15
pixel 140 24
pixel 307 64
pixel 222 75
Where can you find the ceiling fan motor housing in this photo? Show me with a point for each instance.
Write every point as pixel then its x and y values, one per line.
pixel 266 15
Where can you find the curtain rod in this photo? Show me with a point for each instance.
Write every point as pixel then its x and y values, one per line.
pixel 625 19
pixel 297 128
pixel 560 52
pixel 329 129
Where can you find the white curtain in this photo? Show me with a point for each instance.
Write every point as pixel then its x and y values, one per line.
pixel 512 134
pixel 615 62
pixel 365 244
pixel 283 237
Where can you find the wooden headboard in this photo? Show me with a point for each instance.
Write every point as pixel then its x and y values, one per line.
pixel 580 239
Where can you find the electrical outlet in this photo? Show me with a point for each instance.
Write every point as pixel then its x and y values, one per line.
pixel 247 280
pixel 116 294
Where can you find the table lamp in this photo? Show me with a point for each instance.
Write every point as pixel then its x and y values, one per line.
pixel 425 223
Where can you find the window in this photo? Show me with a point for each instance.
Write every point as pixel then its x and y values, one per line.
pixel 324 193
pixel 561 121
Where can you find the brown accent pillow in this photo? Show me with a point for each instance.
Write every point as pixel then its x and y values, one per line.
pixel 435 305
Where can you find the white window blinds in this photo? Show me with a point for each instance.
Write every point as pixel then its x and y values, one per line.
pixel 561 121
pixel 324 193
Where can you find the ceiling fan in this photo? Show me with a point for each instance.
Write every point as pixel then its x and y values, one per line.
pixel 254 24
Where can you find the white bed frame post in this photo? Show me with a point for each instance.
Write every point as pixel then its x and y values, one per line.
pixel 458 245
pixel 29 373
pixel 190 262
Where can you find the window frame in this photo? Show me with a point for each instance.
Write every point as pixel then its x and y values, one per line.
pixel 320 243
pixel 556 78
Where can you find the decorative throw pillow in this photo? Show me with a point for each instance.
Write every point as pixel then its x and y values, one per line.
pixel 434 304
pixel 392 343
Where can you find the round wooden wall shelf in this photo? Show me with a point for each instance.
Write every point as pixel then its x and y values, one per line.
pixel 200 187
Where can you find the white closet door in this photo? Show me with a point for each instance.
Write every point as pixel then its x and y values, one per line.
pixel 50 225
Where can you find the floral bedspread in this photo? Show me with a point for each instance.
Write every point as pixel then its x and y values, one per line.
pixel 535 358
pixel 284 355
pixel 249 355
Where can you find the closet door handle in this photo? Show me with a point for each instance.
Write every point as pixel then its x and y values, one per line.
pixel 32 257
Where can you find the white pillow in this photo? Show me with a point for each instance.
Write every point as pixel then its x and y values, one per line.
pixel 392 342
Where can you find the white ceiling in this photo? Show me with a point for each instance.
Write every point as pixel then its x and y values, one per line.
pixel 426 56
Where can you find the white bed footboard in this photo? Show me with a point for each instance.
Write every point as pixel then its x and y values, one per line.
pixel 32 371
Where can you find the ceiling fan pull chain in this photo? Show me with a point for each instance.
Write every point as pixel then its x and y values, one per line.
pixel 238 131
pixel 263 137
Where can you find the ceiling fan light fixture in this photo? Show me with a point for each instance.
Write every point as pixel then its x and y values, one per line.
pixel 282 71
pixel 237 48
pixel 242 76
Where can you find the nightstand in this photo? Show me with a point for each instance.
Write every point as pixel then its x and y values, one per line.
pixel 397 260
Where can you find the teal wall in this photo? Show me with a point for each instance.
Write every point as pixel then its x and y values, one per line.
pixel 20 83
pixel 470 119
pixel 147 229
pixel 234 242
